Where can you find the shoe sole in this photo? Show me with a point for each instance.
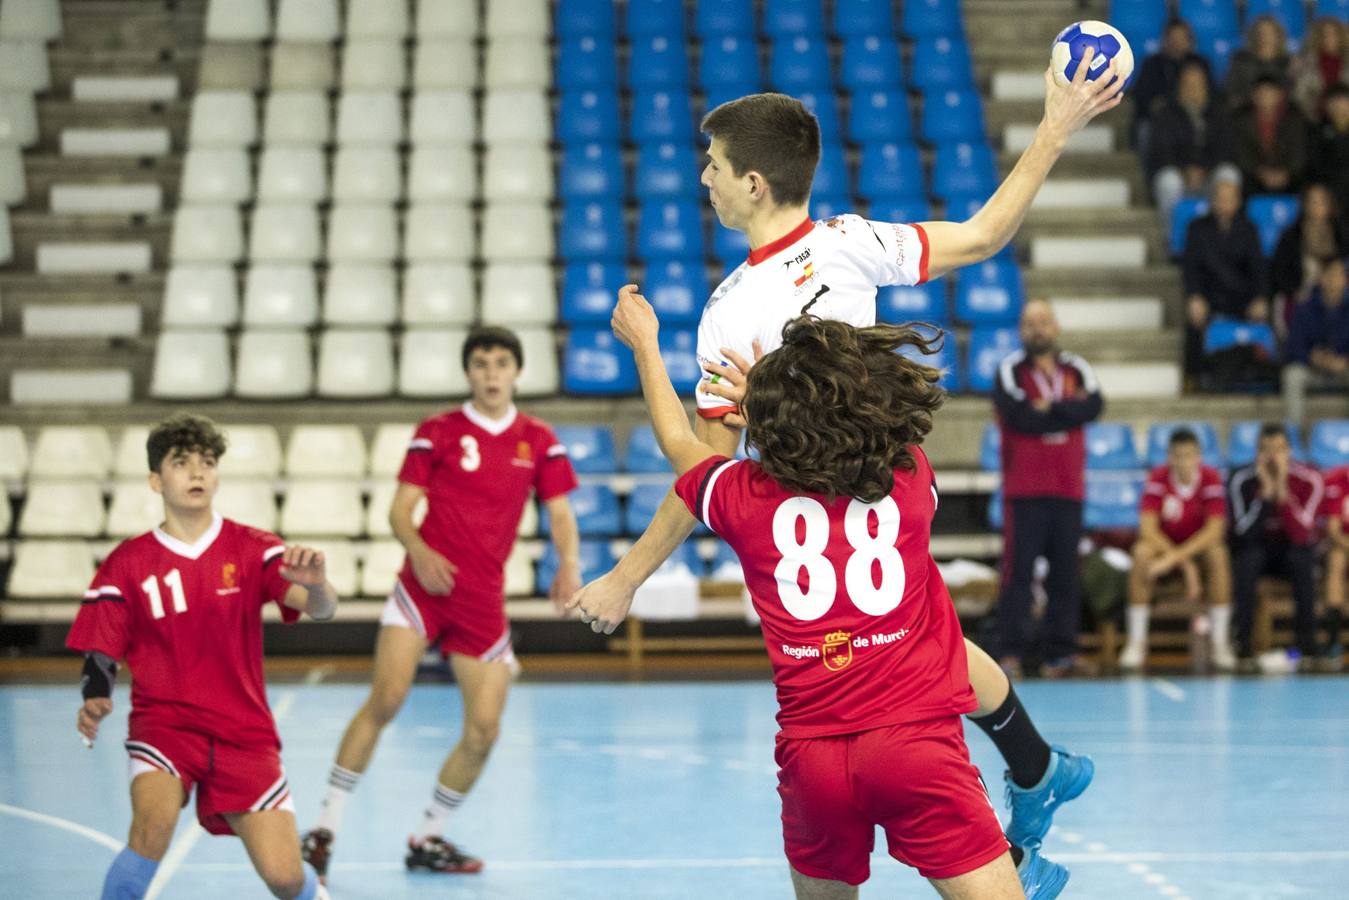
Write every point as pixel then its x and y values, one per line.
pixel 412 867
pixel 1048 890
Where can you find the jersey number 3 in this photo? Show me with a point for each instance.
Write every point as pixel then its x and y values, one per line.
pixel 174 580
pixel 808 553
pixel 472 458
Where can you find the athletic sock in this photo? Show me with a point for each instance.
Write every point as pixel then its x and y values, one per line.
pixel 1012 731
pixel 129 876
pixel 1137 617
pixel 311 884
pixel 1334 620
pixel 1220 617
pixel 443 802
pixel 341 782
pixel 1017 855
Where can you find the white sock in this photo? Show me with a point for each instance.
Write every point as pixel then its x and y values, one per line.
pixel 1138 623
pixel 1219 617
pixel 443 802
pixel 341 782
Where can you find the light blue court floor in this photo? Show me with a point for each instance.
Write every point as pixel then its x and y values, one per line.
pixel 1213 789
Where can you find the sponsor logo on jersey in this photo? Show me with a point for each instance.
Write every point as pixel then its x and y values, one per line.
pixel 229 575
pixel 798 259
pixel 836 650
pixel 523 455
pixel 806 274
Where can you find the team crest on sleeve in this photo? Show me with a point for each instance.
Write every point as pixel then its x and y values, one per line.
pixel 836 650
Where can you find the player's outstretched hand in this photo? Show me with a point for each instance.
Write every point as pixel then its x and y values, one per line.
pixel 304 566
pixel 434 572
pixel 94 710
pixel 728 382
pixel 634 321
pixel 1071 106
pixel 603 603
pixel 565 584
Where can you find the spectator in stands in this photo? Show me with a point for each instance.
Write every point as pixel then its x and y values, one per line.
pixel 1223 268
pixel 1159 76
pixel 1330 148
pixel 1336 511
pixel 1318 340
pixel 1264 56
pixel 1274 501
pixel 1191 142
pixel 1043 398
pixel 1296 266
pixel 1271 140
pixel 1322 63
pixel 1182 526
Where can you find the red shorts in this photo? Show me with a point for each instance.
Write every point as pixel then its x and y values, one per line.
pixel 915 781
pixel 470 625
pixel 228 778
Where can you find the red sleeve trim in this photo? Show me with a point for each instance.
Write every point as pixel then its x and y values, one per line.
pixel 924 255
pixel 716 412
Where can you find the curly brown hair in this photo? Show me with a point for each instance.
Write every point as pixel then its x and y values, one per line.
pixel 184 433
pixel 835 409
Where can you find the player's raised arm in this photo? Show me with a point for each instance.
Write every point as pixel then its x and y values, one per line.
pixel 1067 109
pixel 310 591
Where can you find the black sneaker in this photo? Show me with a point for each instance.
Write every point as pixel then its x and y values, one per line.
pixel 316 848
pixel 438 855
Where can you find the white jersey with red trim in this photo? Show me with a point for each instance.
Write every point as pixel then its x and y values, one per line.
pixel 830 269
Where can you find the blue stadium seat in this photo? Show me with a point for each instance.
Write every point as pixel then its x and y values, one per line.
pixel 1110 445
pixel 666 170
pixel 643 452
pixel 879 116
pixel 827 206
pixel 1337 9
pixel 677 289
pixel 679 352
pixel 642 504
pixel 964 169
pixel 1112 500
pixel 952 116
pixel 586 63
pixel 661 116
pixel 990 292
pixel 800 63
pixel 595 363
pixel 596 559
pixel 990 448
pixel 1272 213
pixel 724 556
pixel 890 170
pixel 925 18
pixel 658 62
pixel 590 290
pixel 596 510
pixel 589 447
pixel 960 207
pixel 900 209
pixel 824 107
pixel 900 304
pixel 593 230
pixel 1329 443
pixel 1142 22
pixel 725 92
pixel 1222 334
pixel 945 358
pixel 591 171
pixel 1159 437
pixel 871 62
pixel 942 63
pixel 1182 214
pixel 1244 439
pixel 730 58
pixel 854 17
pixel 1211 17
pixel 1292 14
pixel 1218 49
pixel 584 116
pixel 831 176
pixel 989 346
pixel 792 17
pixel 647 17
pixel 729 246
pixel 670 228
pixel 718 17
pixel 576 18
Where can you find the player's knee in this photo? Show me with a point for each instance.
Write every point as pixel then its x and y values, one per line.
pixel 151 833
pixel 480 734
pixel 384 704
pixel 285 879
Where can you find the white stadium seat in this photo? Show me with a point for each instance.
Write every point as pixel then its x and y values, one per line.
pixel 71 451
pixel 429 363
pixel 362 233
pixel 274 364
pixel 30 20
pixel 377 513
pixel 447 18
pixel 207 234
pixel 441 64
pixel 135 509
pixel 383 560
pixel 238 20
pixel 130 460
pixel 517 172
pixel 303 67
pixel 13 184
pixel 370 117
pixel 516 117
pixel 438 294
pixel 360 295
pixel 444 117
pixel 325 451
pixel 297 117
pixel 389 447
pixel 367 175
pixel 13 453
pixel 441 172
pixel 51 569
pixel 377 18
pixel 230 67
pixel 292 175
pixel 252 451
pixel 517 18
pixel 355 363
pixel 6 237
pixel 339 561
pixel 216 175
pixel 200 296
pixel 517 231
pixel 191 365
pixel 62 509
pixel 223 119
pixel 307 21
pixel 520 293
pixel 322 508
pixel 374 64
pixel 24 67
pixel 540 375
pixel 18 118
pixel 438 233
pixel 278 296
pixel 284 233
pixel 247 501
pixel 519 571
pixel 518 62
pixel 6 514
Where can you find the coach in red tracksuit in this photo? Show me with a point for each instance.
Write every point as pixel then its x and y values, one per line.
pixel 1043 397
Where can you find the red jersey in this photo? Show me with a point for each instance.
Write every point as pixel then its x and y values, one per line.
pixel 477 474
pixel 860 628
pixel 1183 509
pixel 188 621
pixel 1044 452
pixel 1336 502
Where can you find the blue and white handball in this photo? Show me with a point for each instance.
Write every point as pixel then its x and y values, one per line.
pixel 1105 39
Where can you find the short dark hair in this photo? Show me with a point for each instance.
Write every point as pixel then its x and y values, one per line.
pixel 774 135
pixel 487 337
pixel 1183 436
pixel 183 433
pixel 1175 23
pixel 1338 89
pixel 1267 80
pixel 835 409
pixel 1271 429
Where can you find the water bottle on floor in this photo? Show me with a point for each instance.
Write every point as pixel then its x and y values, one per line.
pixel 1199 643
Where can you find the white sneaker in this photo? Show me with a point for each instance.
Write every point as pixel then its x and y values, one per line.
pixel 1224 660
pixel 1131 658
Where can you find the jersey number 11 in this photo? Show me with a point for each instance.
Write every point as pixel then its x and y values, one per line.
pixel 175 582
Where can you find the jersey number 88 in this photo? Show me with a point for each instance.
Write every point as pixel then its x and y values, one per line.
pixel 808 553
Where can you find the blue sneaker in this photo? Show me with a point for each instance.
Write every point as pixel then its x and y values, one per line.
pixel 1033 808
pixel 1040 878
